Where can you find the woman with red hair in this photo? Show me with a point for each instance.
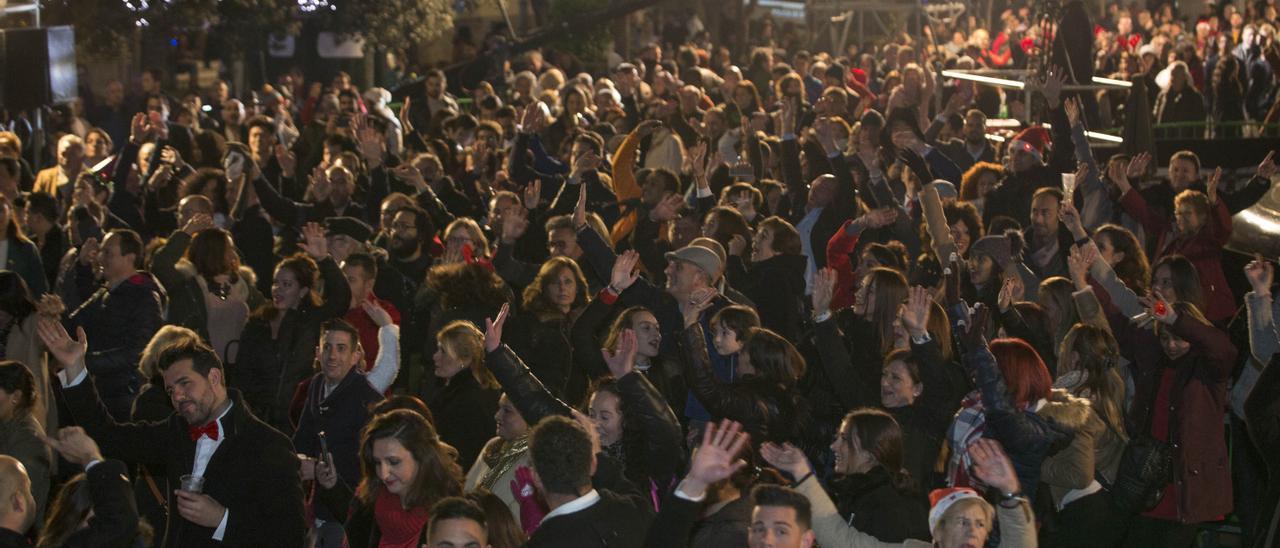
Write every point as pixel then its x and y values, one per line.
pixel 1010 406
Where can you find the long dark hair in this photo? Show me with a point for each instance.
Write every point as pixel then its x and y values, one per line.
pixel 437 477
pixel 463 284
pixel 13 230
pixel 15 296
pixel 879 434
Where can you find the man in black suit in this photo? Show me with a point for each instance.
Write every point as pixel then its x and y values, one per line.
pixel 564 459
pixel 251 494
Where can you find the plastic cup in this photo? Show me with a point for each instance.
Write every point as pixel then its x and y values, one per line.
pixel 192 484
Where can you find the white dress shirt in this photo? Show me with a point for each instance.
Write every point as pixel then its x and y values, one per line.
pixel 576 505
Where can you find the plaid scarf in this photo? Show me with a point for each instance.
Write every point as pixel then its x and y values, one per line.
pixel 968 426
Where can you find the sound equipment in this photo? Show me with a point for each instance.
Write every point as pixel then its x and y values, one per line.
pixel 39 67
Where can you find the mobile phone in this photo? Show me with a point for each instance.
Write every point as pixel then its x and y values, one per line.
pixel 324 444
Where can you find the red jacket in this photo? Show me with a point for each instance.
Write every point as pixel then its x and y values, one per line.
pixel 369 330
pixel 1203 249
pixel 838 250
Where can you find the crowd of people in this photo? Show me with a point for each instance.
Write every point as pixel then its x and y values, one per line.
pixel 811 299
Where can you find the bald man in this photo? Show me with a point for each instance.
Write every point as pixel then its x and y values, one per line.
pixel 17 506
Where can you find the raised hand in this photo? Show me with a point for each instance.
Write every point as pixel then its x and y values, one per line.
pixel 884 216
pixel 623 358
pixel 952 273
pixel 1159 308
pixel 379 315
pixel 624 271
pixel 1071 218
pixel 1078 264
pixel 786 458
pixel 319 184
pixel 314 242
pixel 68 351
pixel 287 159
pixel 1072 106
pixel 493 328
pixel 667 209
pixel 716 459
pixel 647 127
pixel 915 317
pixel 1051 88
pixel 992 466
pixel 1267 169
pixel 1261 273
pixel 74 445
pixel 515 221
pixel 409 173
pixel 826 135
pixel 533 194
pixel 1119 176
pixel 824 287
pixel 587 161
pixel 1137 168
pixel 1006 297
pixel 171 156
pixel 975 333
pixel 699 301
pixel 1211 187
pixel 197 223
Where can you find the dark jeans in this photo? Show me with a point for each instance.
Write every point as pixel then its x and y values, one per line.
pixel 1147 532
pixel 1090 521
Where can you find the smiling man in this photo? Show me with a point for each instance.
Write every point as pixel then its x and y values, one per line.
pixel 251 495
pixel 338 401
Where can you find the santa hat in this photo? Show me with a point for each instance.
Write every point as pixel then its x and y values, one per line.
pixel 857 75
pixel 1034 140
pixel 942 499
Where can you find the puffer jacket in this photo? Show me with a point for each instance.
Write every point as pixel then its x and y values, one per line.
pixel 768 411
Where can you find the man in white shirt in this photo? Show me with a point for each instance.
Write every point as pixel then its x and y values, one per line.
pixel 251 494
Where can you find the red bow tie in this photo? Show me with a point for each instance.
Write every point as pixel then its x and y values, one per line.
pixel 210 430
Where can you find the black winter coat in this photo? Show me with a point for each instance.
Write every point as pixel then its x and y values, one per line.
pixel 615 521
pixel 776 285
pixel 341 416
pixel 463 412
pixel 873 505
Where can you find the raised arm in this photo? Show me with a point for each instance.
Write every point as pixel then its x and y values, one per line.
pixel 527 393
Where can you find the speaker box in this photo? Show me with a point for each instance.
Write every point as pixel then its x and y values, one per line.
pixel 39 67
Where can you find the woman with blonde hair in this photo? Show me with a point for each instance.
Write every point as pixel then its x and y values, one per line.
pixel 468 396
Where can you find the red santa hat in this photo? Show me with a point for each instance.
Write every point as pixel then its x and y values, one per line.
pixel 942 499
pixel 1034 140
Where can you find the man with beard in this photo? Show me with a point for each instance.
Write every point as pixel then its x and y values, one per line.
pixel 435 105
pixel 251 493
pixel 973 147
pixel 409 243
pixel 1048 241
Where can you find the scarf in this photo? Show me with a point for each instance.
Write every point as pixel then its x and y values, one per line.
pixel 501 459
pixel 969 424
pixel 399 528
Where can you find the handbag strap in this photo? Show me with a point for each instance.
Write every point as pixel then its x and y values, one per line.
pixel 155 491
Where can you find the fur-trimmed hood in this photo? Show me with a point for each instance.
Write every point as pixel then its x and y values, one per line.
pixel 1067 410
pixel 240 289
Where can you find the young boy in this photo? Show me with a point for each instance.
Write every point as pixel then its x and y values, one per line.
pixel 729 329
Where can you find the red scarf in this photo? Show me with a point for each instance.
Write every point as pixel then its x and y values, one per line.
pixel 400 528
